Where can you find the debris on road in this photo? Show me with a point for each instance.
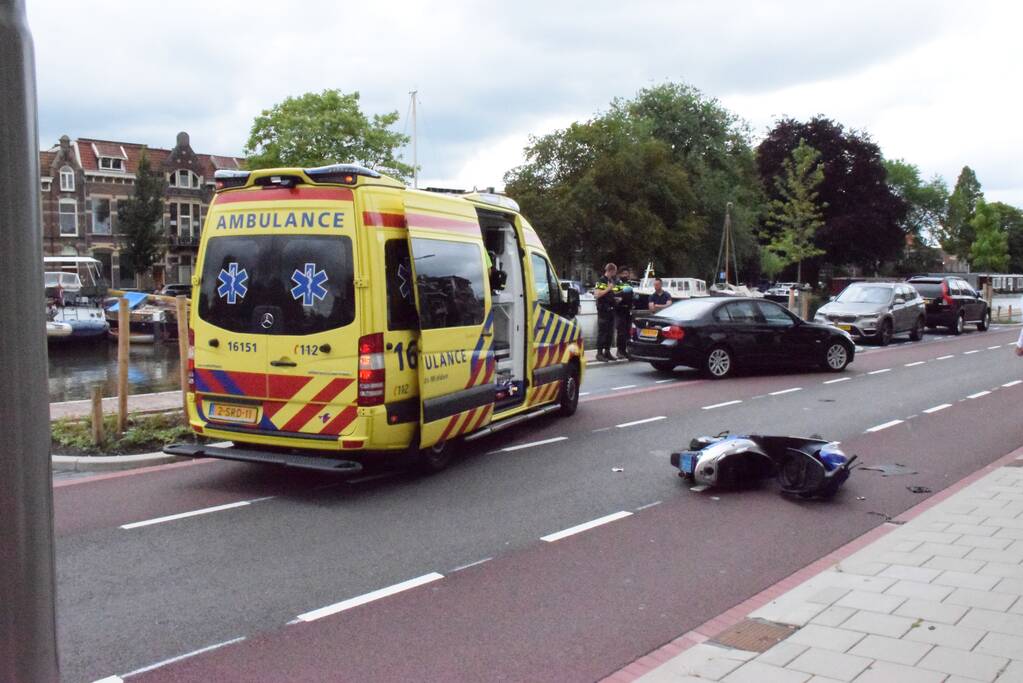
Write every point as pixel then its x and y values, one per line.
pixel 918 489
pixel 893 470
pixel 617 469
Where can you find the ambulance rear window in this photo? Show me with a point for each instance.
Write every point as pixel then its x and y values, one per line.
pixel 449 278
pixel 277 284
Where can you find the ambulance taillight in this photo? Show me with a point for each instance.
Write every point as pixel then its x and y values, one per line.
pixel 191 359
pixel 371 370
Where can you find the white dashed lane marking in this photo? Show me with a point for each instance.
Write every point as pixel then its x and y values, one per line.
pixel 836 381
pixel 721 405
pixel 944 357
pixel 192 513
pixel 534 443
pixel 644 421
pixel 624 386
pixel 369 597
pixel 979 394
pixel 878 372
pixel 886 425
pixel 785 391
pixel 564 533
pixel 937 408
pixel 967 353
pixel 1012 383
pixel 919 362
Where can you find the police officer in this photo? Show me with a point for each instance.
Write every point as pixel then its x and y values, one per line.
pixel 604 293
pixel 623 311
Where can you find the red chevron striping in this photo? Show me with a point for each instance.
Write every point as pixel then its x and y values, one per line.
pixel 251 383
pixel 210 380
pixel 448 428
pixel 308 412
pixel 469 417
pixel 383 220
pixel 270 408
pixel 285 386
pixel 342 420
pixel 487 410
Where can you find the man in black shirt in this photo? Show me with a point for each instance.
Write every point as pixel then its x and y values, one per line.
pixel 623 311
pixel 660 298
pixel 604 293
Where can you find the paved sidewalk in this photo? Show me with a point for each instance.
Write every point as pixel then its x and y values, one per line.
pixel 937 598
pixel 137 403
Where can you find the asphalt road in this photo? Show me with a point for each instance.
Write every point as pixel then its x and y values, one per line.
pixel 250 556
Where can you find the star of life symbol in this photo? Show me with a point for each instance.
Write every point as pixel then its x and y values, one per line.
pixel 232 283
pixel 309 284
pixel 403 282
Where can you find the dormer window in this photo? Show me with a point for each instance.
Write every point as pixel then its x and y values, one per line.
pixel 111 164
pixel 185 179
pixel 67 179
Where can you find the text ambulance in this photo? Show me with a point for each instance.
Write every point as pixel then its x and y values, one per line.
pixel 337 312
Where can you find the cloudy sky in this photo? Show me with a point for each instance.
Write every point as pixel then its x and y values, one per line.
pixel 933 82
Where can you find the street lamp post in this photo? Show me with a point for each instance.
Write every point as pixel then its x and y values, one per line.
pixel 28 635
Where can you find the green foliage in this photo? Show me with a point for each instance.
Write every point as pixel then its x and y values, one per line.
pixel 795 216
pixel 771 264
pixel 144 433
pixel 957 234
pixel 646 181
pixel 140 217
pixel 990 249
pixel 1012 223
pixel 316 129
pixel 927 202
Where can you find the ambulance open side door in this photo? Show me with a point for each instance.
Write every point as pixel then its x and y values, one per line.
pixel 455 363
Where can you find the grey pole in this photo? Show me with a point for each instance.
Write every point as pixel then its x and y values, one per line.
pixel 28 634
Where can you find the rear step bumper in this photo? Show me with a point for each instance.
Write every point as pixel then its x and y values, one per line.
pixel 246 455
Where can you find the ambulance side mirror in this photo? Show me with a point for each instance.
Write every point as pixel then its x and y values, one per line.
pixel 570 305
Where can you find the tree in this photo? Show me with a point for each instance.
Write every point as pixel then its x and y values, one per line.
pixel 317 129
pixel 957 235
pixel 990 249
pixel 927 203
pixel 1012 224
pixel 863 218
pixel 795 216
pixel 140 217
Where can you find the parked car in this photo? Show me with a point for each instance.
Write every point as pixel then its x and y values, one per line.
pixel 176 290
pixel 951 302
pixel 876 311
pixel 718 335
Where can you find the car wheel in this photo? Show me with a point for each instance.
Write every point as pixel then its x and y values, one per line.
pixel 663 366
pixel 569 393
pixel 959 325
pixel 985 321
pixel 836 356
pixel 917 333
pixel 884 335
pixel 719 363
pixel 435 458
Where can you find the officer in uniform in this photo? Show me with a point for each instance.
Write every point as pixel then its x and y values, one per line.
pixel 604 293
pixel 623 311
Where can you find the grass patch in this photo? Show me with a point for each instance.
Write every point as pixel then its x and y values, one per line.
pixel 143 434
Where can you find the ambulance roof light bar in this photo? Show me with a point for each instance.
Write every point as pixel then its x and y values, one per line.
pixel 496 199
pixel 345 174
pixel 226 179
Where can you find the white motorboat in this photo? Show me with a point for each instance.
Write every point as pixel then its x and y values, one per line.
pixel 74 288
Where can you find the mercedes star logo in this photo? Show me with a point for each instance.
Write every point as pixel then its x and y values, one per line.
pixel 268 321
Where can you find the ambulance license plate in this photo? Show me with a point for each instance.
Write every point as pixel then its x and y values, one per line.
pixel 648 333
pixel 226 412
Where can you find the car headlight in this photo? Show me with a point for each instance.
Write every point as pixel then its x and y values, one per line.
pixel 868 319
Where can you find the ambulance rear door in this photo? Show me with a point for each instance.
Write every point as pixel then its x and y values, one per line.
pixel 455 364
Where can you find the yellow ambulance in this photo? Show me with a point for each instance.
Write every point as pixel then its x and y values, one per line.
pixel 337 312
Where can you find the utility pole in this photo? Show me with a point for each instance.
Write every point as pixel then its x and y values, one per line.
pixel 28 633
pixel 415 156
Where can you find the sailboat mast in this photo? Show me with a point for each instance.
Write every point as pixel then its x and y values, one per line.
pixel 415 155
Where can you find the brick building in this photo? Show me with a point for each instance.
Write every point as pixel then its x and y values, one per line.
pixel 83 180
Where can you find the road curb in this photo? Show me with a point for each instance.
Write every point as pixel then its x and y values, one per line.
pixel 110 463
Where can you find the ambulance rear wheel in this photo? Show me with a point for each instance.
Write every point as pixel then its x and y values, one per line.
pixel 570 392
pixel 435 458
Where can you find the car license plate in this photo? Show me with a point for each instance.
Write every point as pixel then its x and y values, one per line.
pixel 226 412
pixel 648 333
pixel 845 327
pixel 687 465
pixel 928 302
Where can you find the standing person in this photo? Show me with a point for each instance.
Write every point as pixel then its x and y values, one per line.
pixel 623 311
pixel 604 294
pixel 660 298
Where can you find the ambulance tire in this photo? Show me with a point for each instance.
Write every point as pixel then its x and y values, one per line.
pixel 435 458
pixel 569 392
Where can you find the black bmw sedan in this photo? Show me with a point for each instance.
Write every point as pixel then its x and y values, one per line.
pixel 717 335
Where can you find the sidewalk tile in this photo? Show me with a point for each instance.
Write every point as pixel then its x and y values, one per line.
pixel 909 559
pixel 823 679
pixel 906 546
pixel 825 637
pixel 826 596
pixel 1011 586
pixel 875 584
pixel 924 525
pixel 1002 645
pixel 891 649
pixel 989 542
pixel 1005 522
pixel 864 568
pixel 1001 569
pixel 943 550
pixel 1001 622
pixel 880 624
pixel 755 672
pixel 664 675
pixel 1011 555
pixel 782 653
pixel 972 529
pixel 931 611
pixel 1013 673
pixel 951 564
pixel 829 663
pixel 886 672
pixel 923 591
pixel 923 574
pixel 833 616
pixel 1014 534
pixel 871 601
pixel 964 580
pixel 984 599
pixel 945 634
pixel 795 613
pixel 962 663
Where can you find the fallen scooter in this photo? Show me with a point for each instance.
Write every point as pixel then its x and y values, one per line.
pixel 804 467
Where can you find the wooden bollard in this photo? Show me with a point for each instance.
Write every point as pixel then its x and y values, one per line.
pixel 123 338
pixel 97 416
pixel 804 305
pixel 181 304
pixel 792 300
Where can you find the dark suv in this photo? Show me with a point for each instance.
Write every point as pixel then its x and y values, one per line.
pixel 951 302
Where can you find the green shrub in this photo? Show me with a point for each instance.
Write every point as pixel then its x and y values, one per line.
pixel 143 433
